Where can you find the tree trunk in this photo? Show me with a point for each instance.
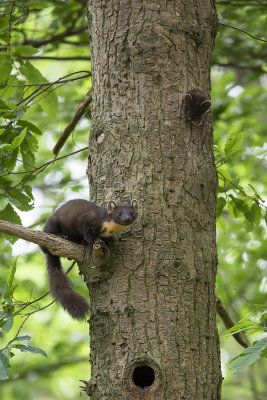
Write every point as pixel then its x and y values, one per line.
pixel 152 324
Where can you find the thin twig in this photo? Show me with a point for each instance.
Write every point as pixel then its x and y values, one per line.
pixel 52 302
pixel 238 3
pixel 57 82
pixel 40 169
pixel 83 105
pixel 40 298
pixel 17 334
pixel 43 166
pixel 10 24
pixel 240 66
pixel 68 32
pixel 242 30
pixel 80 58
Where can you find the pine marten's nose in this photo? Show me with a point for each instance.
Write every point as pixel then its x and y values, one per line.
pixel 126 220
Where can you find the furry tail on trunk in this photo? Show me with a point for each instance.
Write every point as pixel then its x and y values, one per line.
pixel 61 290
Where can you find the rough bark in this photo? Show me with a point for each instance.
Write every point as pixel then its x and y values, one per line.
pixel 152 325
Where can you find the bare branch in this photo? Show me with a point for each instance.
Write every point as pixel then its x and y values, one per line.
pixel 240 66
pixel 71 126
pixel 238 3
pixel 57 246
pixel 242 30
pixel 79 58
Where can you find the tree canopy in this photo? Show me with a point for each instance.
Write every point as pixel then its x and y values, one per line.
pixel 45 75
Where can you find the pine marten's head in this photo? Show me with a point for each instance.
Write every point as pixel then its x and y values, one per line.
pixel 120 216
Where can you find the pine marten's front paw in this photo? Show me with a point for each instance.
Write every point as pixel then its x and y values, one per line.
pixel 100 247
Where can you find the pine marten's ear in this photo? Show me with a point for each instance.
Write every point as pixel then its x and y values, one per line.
pixel 134 204
pixel 111 206
pixel 205 105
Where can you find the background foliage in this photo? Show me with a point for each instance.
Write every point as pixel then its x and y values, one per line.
pixel 47 41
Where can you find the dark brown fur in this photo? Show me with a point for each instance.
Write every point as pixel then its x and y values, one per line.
pixel 197 105
pixel 81 221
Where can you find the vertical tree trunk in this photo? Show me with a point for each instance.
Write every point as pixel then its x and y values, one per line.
pixel 152 326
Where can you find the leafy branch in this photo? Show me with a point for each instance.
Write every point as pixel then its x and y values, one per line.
pixel 255 199
pixel 6 322
pixel 254 325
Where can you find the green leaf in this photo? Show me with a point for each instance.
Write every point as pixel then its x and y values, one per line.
pixel 11 290
pixel 233 143
pixel 256 211
pixel 12 274
pixel 8 324
pixel 28 191
pixel 31 349
pixel 5 147
pixel 20 200
pixel 17 114
pixel 23 51
pixel 240 327
pixel 249 356
pixel 19 139
pixel 4 37
pixel 233 210
pixel 48 101
pixel 37 5
pixel 220 205
pixel 5 69
pixel 220 223
pixel 4 366
pixel 3 202
pixel 256 194
pixel 9 214
pixel 249 215
pixel 9 91
pixel 25 337
pixel 239 203
pixel 3 288
pixel 31 127
pixel 4 23
pixel 223 173
pixel 28 157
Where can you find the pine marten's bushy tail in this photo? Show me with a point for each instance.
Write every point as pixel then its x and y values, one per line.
pixel 62 291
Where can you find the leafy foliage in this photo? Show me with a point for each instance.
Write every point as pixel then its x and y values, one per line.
pixel 239 95
pixel 22 86
pixel 254 324
pixel 39 92
pixel 249 356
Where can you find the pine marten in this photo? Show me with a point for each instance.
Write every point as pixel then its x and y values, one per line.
pixel 83 222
